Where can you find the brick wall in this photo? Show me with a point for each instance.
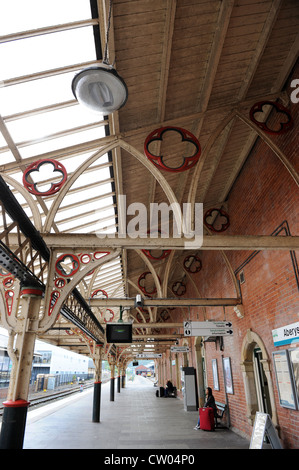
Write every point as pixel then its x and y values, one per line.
pixel 263 197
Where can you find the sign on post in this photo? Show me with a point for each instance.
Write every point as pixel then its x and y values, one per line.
pixel 208 328
pixel 263 425
pixel 178 349
pixel 148 355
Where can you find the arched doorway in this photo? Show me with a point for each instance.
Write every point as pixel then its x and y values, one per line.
pixel 257 379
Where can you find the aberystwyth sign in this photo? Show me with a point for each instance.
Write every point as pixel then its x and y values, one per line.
pixel 286 334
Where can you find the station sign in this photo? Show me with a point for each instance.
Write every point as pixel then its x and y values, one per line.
pixel 208 328
pixel 148 355
pixel 178 349
pixel 286 335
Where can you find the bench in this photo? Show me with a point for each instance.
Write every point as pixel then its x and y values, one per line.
pixel 161 393
pixel 171 394
pixel 221 409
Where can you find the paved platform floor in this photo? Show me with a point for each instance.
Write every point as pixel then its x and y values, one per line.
pixel 136 419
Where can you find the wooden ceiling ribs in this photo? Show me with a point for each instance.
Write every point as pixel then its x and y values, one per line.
pixel 243 85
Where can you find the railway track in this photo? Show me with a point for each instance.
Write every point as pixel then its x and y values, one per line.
pixel 43 400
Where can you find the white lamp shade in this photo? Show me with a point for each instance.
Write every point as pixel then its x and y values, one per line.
pixel 100 89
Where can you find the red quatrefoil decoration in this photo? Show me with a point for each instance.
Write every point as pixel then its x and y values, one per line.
pixel 111 315
pixel 99 292
pixel 214 227
pixel 141 283
pixel 75 265
pixel 55 187
pixel 188 162
pixel 192 264
pixel 179 288
pixel 284 126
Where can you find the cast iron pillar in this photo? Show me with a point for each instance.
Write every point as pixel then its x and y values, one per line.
pixel 112 365
pixel 112 389
pixel 97 388
pixel 16 405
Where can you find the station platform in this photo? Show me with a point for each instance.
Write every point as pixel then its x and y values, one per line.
pixel 136 419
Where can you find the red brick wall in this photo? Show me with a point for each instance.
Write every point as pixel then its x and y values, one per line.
pixel 263 197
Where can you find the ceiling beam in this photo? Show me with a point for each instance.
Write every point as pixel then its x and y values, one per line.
pixel 225 12
pixel 90 241
pixel 117 302
pixel 260 48
pixel 158 325
pixel 157 336
pixel 206 183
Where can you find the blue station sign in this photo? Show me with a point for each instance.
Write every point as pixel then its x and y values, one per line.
pixel 288 334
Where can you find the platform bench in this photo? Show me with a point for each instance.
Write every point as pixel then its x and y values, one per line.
pixel 173 393
pixel 221 409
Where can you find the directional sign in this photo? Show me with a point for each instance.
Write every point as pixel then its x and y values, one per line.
pixel 179 349
pixel 148 355
pixel 208 328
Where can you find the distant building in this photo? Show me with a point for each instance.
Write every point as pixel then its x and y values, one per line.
pixel 51 359
pixel 48 359
pixel 143 370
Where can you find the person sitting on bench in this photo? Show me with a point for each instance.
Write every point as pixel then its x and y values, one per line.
pixel 209 403
pixel 169 388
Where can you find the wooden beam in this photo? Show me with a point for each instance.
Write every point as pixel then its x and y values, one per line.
pixel 89 241
pixel 117 302
pixel 158 325
pixel 225 11
pixel 157 336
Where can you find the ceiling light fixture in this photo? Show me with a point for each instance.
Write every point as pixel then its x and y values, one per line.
pixel 100 88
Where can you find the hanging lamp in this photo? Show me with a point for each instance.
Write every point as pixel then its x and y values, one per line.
pixel 100 88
